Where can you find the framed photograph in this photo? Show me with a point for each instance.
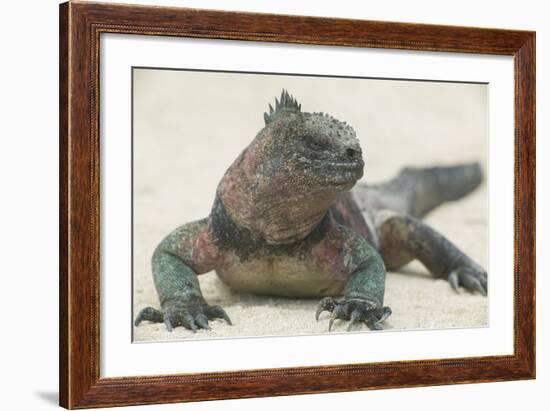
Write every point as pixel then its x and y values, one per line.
pixel 259 205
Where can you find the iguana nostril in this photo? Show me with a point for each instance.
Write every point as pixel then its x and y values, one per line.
pixel 350 152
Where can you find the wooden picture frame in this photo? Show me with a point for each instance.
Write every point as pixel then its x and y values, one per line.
pixel 80 27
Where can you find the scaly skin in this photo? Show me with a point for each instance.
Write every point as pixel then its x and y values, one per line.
pixel 284 223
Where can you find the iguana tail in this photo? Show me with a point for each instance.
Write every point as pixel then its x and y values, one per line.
pixel 417 191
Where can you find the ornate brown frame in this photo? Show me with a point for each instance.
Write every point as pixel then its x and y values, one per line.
pixel 81 24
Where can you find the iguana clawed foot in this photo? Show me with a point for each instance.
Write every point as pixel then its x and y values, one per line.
pixel 355 311
pixel 193 316
pixel 470 276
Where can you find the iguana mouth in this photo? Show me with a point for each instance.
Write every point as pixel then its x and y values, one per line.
pixel 347 166
pixel 343 173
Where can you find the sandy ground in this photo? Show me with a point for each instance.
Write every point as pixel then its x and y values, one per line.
pixel 188 127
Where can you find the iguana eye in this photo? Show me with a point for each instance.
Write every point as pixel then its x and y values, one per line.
pixel 316 144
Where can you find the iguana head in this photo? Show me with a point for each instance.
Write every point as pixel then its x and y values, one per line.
pixel 319 149
pixel 283 183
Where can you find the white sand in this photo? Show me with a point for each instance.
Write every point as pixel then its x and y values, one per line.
pixel 190 126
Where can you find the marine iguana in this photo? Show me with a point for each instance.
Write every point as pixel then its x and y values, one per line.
pixel 285 223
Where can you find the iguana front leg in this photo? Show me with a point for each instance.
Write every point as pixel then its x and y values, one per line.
pixel 363 300
pixel 177 260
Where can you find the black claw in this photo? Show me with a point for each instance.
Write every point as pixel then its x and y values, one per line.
pixel 168 323
pixel 386 312
pixel 453 280
pixel 191 323
pixel 202 321
pixel 355 311
pixel 375 326
pixel 149 314
pixel 483 281
pixel 331 322
pixel 471 277
pixel 192 315
pixel 479 288
pixel 472 284
pixel 318 313
pixel 227 319
pixel 215 311
pixel 356 317
pixel 326 304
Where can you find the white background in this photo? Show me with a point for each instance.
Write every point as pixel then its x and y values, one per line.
pixel 28 165
pixel 119 357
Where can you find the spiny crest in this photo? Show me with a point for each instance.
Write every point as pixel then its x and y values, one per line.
pixel 287 104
